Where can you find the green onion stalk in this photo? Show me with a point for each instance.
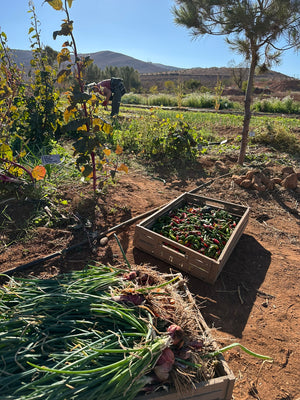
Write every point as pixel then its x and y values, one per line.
pixel 65 338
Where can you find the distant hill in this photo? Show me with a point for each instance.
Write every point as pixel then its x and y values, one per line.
pixel 207 76
pixel 110 58
pixel 103 59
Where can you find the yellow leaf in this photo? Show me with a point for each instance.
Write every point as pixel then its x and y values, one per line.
pixel 123 167
pixel 16 171
pixel 38 172
pixel 22 154
pixel 63 56
pixel 107 128
pixel 70 3
pixel 63 75
pixel 107 152
pixel 56 4
pixel 119 150
pixel 6 152
pixel 82 128
pixel 68 113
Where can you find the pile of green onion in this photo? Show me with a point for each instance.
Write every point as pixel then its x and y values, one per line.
pixel 66 338
pixel 74 337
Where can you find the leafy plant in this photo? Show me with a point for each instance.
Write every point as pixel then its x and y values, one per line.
pixel 39 115
pixel 178 142
pixel 11 86
pixel 93 133
pixel 274 105
pixel 218 93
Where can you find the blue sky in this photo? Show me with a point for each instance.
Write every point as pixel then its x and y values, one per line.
pixel 143 29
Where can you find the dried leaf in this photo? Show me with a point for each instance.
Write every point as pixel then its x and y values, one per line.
pixel 107 152
pixel 123 167
pixel 119 150
pixel 69 111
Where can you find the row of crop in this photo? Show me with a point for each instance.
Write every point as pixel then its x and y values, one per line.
pixel 169 137
pixel 286 105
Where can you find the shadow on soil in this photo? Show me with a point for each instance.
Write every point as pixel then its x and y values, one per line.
pixel 228 303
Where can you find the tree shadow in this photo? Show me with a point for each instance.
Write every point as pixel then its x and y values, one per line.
pixel 277 196
pixel 228 303
pixel 180 172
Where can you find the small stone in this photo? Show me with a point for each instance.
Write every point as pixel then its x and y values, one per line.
pixel 237 179
pixel 287 171
pixel 259 188
pixel 103 242
pixel 246 183
pixel 276 180
pixel 290 182
pixel 250 173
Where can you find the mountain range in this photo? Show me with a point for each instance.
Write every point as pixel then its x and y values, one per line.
pixel 154 74
pixel 103 59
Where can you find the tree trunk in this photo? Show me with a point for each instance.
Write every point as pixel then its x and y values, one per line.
pixel 247 111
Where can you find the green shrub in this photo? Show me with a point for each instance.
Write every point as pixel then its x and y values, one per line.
pixel 279 137
pixel 166 100
pixel 274 105
pixel 133 98
pixel 206 100
pixel 159 138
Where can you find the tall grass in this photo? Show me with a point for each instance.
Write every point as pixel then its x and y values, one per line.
pixel 206 100
pixel 166 100
pixel 133 98
pixel 193 100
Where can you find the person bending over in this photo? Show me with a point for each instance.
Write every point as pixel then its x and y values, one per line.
pixel 112 89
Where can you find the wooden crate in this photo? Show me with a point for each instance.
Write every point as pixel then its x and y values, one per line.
pixel 182 257
pixel 218 388
pixel 214 389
